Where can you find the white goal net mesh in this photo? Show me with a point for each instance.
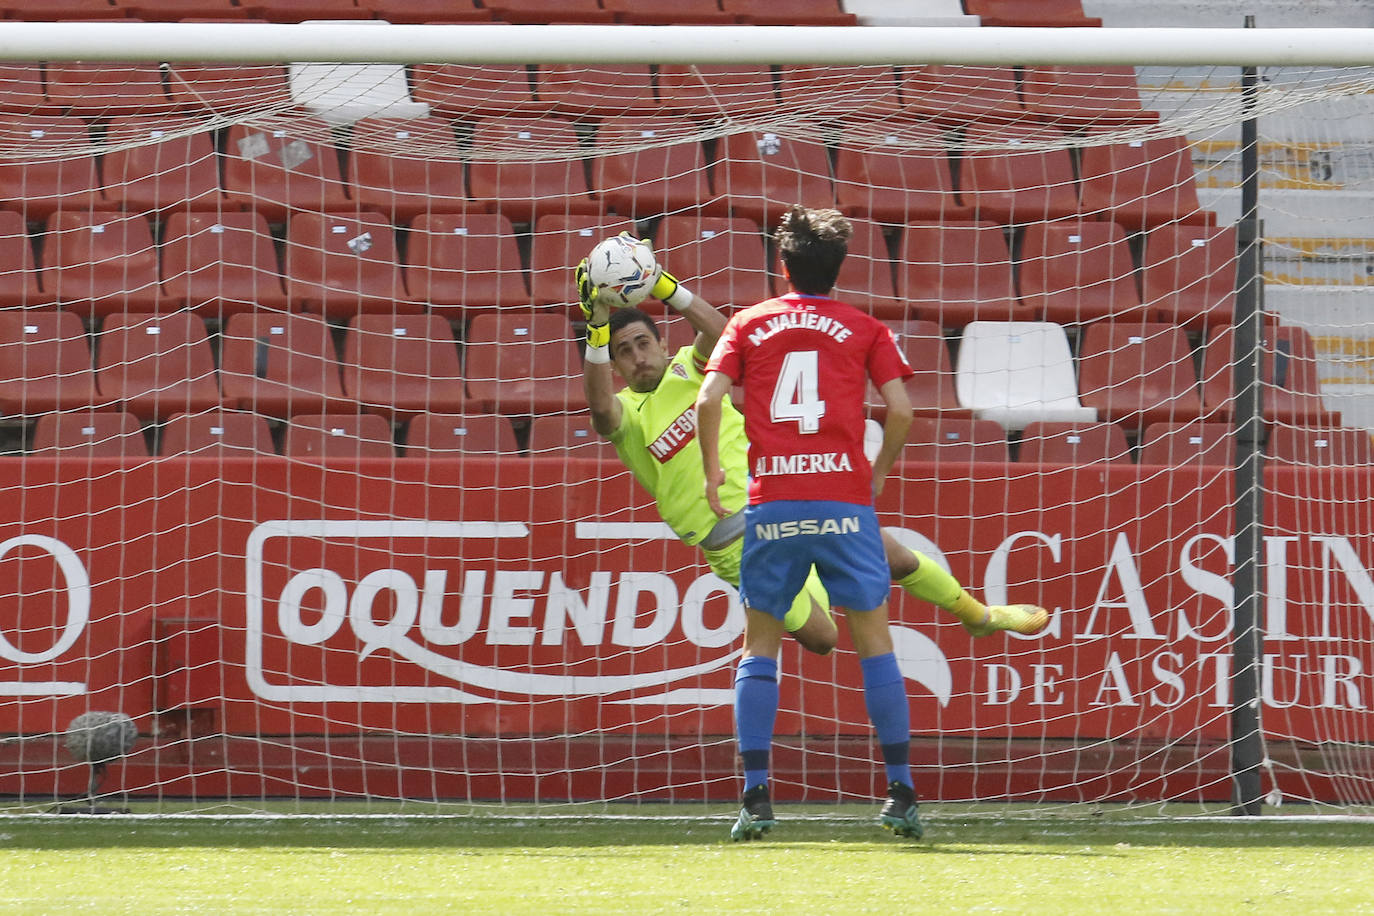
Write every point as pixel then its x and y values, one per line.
pixel 301 477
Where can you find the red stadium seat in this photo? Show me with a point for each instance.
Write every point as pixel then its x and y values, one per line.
pixel 1004 184
pixel 331 436
pixel 176 10
pixel 896 186
pixel 102 89
pixel 1141 184
pixel 1032 13
pixel 557 245
pixel 1078 98
pixel 465 262
pixel 540 12
pixel 96 263
pixel 228 88
pixel 568 435
pixel 722 260
pixel 440 434
pixel 789 12
pixel 21 89
pixel 956 95
pixel 1291 391
pixel 283 163
pixel 171 163
pixel 85 434
pixel 1074 271
pixel 1073 443
pixel 523 364
pixel 1138 374
pixel 220 263
pixel 520 188
pixel 957 272
pixel 419 12
pixel 708 92
pixel 1197 442
pixel 53 10
pixel 762 174
pixel 342 265
pixel 301 10
pixel 18 272
pixel 954 439
pixel 648 180
pixel 580 91
pixel 1188 276
pixel 51 165
pixel 216 434
pixel 401 365
pixel 668 12
pixel 468 90
pixel 45 363
pixel 1333 447
pixel 840 93
pixel 155 366
pixel 278 364
pixel 931 388
pixel 406 167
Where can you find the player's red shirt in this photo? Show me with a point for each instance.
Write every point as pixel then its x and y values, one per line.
pixel 805 362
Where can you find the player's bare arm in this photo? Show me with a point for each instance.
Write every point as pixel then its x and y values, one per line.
pixel 713 392
pixel 895 427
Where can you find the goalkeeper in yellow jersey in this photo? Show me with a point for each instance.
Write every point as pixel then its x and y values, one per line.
pixel 652 424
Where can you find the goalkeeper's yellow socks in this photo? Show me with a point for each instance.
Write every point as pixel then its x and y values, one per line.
pixel 931 583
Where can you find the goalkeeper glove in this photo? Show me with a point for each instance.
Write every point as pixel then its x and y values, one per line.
pixel 597 315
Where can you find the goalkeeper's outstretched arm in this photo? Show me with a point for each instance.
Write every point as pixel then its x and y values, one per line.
pixel 704 317
pixel 597 384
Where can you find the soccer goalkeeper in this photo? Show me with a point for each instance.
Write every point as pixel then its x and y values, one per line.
pixel 652 424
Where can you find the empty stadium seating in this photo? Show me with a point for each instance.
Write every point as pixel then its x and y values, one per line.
pixel 170 162
pixel 342 265
pixel 1073 443
pixel 464 262
pixel 1075 271
pixel 1188 274
pixel 956 95
pixel 45 363
pixel 278 364
pixel 722 260
pixel 19 284
pixel 447 434
pixel 956 272
pixel 1291 392
pixel 955 440
pixel 579 91
pixel 1320 447
pixel 522 364
pixel 1138 374
pixel 1085 98
pixel 643 183
pixel 338 435
pixel 401 365
pixel 405 167
pixel 1032 13
pixel 522 189
pixel 1140 184
pixel 101 88
pixel 173 10
pixel 216 434
pixel 155 366
pixel 228 88
pixel 762 174
pixel 538 12
pixel 422 11
pixel 789 12
pixel 1010 185
pixel 86 434
pixel 220 263
pixel 44 171
pixel 279 164
pixel 568 436
pixel 21 88
pixel 706 92
pixel 97 263
pixel 1197 442
pixel 668 12
pixel 931 386
pixel 896 187
pixel 1018 372
pixel 839 93
pixel 47 10
pixel 468 90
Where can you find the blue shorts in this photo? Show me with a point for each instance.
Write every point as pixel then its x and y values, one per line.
pixel 783 539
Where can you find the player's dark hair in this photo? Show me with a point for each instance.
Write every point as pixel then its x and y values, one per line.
pixel 813 245
pixel 622 317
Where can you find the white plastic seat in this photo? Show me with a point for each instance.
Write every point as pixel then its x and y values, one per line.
pixel 1017 373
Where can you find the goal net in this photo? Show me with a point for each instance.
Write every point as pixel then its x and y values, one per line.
pixel 302 481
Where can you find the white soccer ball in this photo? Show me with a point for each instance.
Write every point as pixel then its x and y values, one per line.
pixel 622 270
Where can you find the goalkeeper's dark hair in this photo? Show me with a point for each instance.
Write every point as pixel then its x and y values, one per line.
pixel 813 245
pixel 622 317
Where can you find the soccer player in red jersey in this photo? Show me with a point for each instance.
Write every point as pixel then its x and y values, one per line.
pixel 805 361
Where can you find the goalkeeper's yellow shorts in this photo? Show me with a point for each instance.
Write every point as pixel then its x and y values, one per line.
pixel 725 563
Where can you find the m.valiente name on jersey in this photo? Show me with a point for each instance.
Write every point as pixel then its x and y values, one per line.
pixel 789 320
pixel 806 463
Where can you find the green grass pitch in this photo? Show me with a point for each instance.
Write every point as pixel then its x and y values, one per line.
pixel 661 860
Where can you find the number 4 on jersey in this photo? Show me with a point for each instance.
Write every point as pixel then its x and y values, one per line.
pixel 796 396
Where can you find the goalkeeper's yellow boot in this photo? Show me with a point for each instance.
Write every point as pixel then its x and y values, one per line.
pixel 755 815
pixel 900 812
pixel 1019 618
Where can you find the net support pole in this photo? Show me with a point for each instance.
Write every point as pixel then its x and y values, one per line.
pixel 1247 745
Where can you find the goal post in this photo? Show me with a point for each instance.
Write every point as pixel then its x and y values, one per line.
pixel 304 483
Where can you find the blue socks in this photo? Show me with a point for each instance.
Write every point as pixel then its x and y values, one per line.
pixel 885 698
pixel 756 708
